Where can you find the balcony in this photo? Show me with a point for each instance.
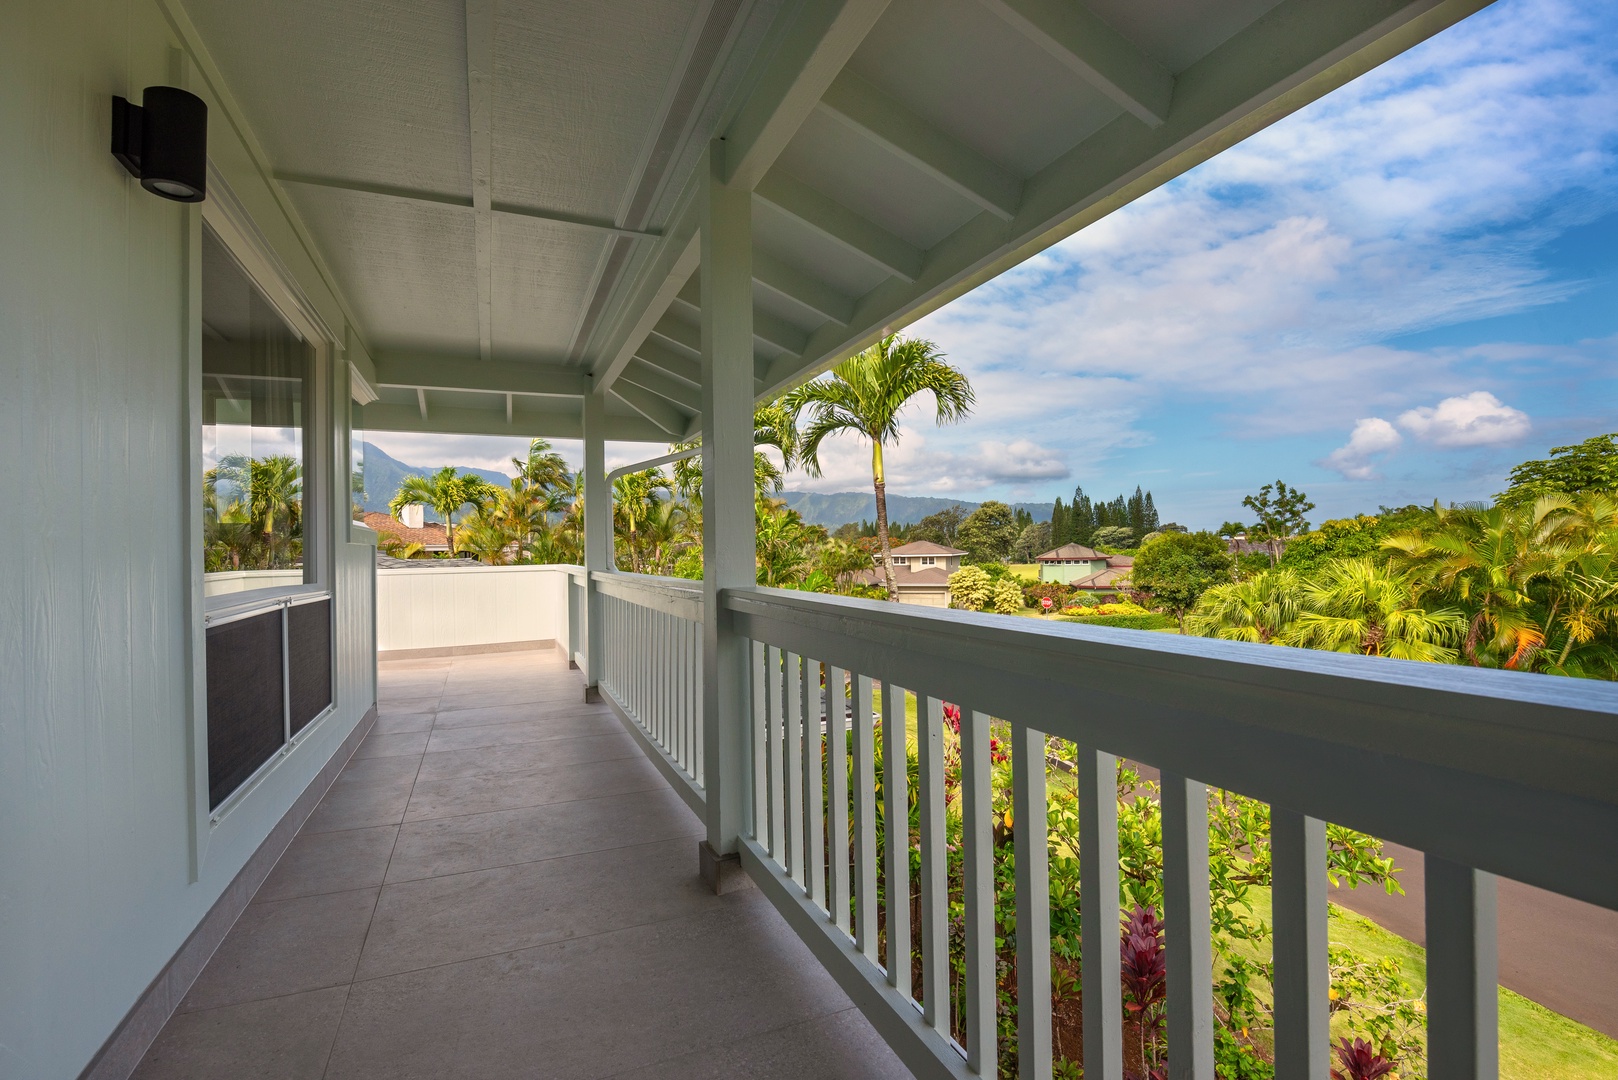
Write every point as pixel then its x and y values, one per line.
pixel 504 870
pixel 497 879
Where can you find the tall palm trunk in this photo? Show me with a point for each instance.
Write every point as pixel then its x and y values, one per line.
pixel 880 480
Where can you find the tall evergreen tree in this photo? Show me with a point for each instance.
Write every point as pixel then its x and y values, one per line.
pixel 1081 518
pixel 1061 530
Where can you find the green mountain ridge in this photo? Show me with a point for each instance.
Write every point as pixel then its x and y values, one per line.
pixel 384 474
pixel 838 508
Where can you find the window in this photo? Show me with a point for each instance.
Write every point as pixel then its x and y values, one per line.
pixel 257 391
pixel 268 636
pixel 926 560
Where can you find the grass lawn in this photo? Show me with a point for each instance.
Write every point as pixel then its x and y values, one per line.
pixel 1029 570
pixel 1535 1043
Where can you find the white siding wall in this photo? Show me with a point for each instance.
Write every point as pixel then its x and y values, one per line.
pixel 105 868
pixel 442 607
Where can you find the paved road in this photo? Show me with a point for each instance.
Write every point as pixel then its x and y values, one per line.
pixel 1559 952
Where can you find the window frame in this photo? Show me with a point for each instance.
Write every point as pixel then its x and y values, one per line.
pixel 224 215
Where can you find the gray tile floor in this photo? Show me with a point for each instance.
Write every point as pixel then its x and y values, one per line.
pixel 500 885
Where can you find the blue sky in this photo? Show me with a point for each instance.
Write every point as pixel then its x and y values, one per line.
pixel 1390 296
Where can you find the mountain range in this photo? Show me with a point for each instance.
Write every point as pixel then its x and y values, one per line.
pixel 840 507
pixel 384 474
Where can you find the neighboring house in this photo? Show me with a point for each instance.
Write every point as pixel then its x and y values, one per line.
pixel 1070 563
pixel 921 570
pixel 1241 545
pixel 1111 579
pixel 432 536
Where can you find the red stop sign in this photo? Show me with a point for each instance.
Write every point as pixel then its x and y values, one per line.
pixel 1046 602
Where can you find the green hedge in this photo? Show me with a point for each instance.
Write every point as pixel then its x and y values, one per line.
pixel 1128 622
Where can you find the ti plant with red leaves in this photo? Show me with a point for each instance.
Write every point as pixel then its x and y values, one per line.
pixel 1145 978
pixel 1360 1061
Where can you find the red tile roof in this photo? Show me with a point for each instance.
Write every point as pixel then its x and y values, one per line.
pixel 431 536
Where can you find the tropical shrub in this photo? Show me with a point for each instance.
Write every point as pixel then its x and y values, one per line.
pixel 1005 597
pixel 970 588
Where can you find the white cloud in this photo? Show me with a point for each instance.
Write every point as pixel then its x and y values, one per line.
pixel 1475 419
pixel 1371 436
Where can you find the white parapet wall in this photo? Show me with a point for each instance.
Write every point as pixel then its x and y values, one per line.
pixel 450 607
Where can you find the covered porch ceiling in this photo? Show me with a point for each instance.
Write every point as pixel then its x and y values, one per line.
pixel 506 193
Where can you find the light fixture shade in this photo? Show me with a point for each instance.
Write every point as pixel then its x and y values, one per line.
pixel 164 142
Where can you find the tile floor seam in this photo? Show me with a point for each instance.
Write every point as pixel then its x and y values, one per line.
pixel 511 723
pixel 529 862
pixel 661 783
pixel 342 1014
pixel 635 751
pixel 541 945
pixel 738 1040
pixel 366 939
pixel 547 858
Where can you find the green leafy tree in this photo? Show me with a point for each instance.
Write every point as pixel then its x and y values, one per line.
pixel 989 533
pixel 943 527
pixel 1591 465
pixel 447 491
pixel 1345 538
pixel 633 496
pixel 970 588
pixel 1120 537
pixel 1032 542
pixel 1281 514
pixel 1177 568
pixel 864 395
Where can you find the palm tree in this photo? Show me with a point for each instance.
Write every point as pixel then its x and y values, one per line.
pixel 1368 607
pixel 544 467
pixel 1261 609
pixel 446 492
pixel 1488 561
pixel 865 395
pixel 781 555
pixel 632 498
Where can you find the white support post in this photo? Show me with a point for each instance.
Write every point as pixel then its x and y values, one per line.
pixel 1463 973
pixel 597 537
pixel 1098 878
pixel 728 523
pixel 1302 980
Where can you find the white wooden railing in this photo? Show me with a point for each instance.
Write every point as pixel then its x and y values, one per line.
pixel 1487 772
pixel 651 638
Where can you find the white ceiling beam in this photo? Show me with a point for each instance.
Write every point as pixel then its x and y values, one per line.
pixel 670 266
pixel 679 332
pixel 776 331
pixel 439 372
pixel 802 289
pixel 525 423
pixel 663 384
pixel 1094 51
pixel 480 106
pixel 836 222
pixel 876 116
pixel 675 363
pixel 555 217
pixel 421 402
pixel 510 399
pixel 791 80
pixel 1295 54
pixel 659 410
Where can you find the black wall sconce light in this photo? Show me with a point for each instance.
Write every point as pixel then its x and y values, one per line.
pixel 163 142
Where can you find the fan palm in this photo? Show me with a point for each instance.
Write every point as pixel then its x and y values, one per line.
pixel 1262 609
pixel 446 491
pixel 864 395
pixel 1363 606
